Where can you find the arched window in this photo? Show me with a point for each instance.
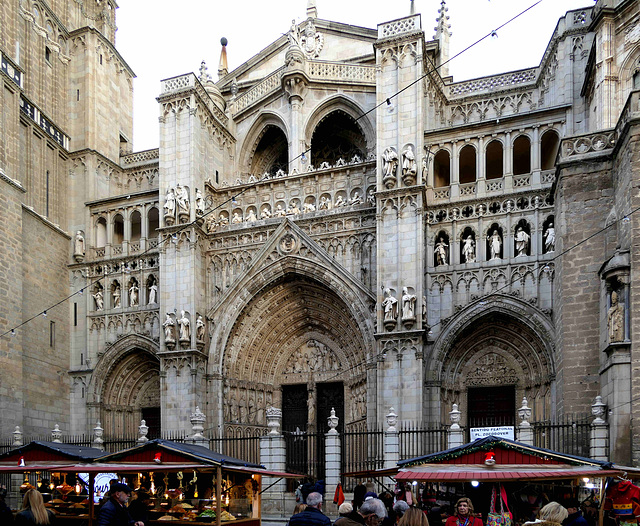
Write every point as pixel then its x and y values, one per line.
pixel 272 153
pixel 118 230
pixel 153 218
pixel 493 160
pixel 136 226
pixel 549 144
pixel 101 232
pixel 521 155
pixel 467 164
pixel 337 136
pixel 442 169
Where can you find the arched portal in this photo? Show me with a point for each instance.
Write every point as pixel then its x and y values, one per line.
pixel 496 352
pixel 271 153
pixel 295 345
pixel 125 387
pixel 337 136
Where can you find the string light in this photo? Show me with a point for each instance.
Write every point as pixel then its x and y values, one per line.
pixel 303 158
pixel 44 314
pixel 389 106
pixel 494 34
pixel 626 220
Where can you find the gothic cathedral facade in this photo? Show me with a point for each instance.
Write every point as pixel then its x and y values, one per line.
pixel 336 223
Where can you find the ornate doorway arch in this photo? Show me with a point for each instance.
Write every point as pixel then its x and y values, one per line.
pixel 504 344
pixel 126 387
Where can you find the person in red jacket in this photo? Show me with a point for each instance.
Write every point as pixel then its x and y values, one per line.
pixel 464 515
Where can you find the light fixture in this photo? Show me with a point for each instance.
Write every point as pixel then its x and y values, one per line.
pixel 475 483
pixel 585 479
pixel 44 314
pixel 303 158
pixel 415 483
pixel 389 106
pixel 546 268
pixel 13 332
pixel 233 201
pixel 494 34
pixel 626 220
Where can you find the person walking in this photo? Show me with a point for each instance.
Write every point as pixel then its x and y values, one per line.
pixel 464 514
pixel 114 512
pixel 33 510
pixel 312 515
pixel 371 513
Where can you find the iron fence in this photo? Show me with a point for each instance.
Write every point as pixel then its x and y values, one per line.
pixel 570 436
pixel 417 440
pixel 361 451
pixel 305 453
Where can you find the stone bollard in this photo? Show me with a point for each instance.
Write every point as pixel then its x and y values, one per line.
pixel 599 435
pixel 197 426
pixel 98 442
pixel 525 433
pixel 332 462
pixel 56 434
pixel 143 430
pixel 456 434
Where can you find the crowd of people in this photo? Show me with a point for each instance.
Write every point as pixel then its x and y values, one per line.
pixel 386 509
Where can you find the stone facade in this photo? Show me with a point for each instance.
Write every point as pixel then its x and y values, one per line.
pixel 335 223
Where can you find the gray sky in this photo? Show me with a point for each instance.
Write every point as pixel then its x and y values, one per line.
pixel 162 38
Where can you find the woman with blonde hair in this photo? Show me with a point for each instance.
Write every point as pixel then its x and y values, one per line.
pixel 33 510
pixel 300 507
pixel 414 517
pixel 550 515
pixel 464 515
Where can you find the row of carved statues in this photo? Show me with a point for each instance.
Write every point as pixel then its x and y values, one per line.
pixel 522 244
pixel 391 162
pixel 212 223
pixel 182 325
pixel 177 200
pixel 133 294
pixel 390 308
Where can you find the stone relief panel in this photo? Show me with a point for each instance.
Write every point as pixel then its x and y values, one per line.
pixel 246 403
pixel 313 356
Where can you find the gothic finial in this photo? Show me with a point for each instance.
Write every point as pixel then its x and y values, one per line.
pixel 412 8
pixel 312 10
pixel 223 68
pixel 204 74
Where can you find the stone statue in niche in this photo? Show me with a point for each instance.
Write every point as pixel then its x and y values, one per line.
pixel 324 203
pixel 170 206
pixel 495 244
pixel 615 319
pixel 389 167
pixel 251 217
pixel 409 166
pixel 469 249
pixel 340 201
pixel 408 305
pixel 79 247
pixel 116 296
pixel 371 198
pixel 169 328
pixel 200 329
pixel 236 219
pixel 424 309
pixel 153 294
pixel 266 213
pixel 199 202
pixel 550 238
pixel 133 294
pixel 280 212
pixel 260 413
pixel 182 200
pixel 390 306
pixel 234 407
pixel 440 251
pixel 185 329
pixel 98 297
pixel 242 407
pixel 522 242
pixel 356 199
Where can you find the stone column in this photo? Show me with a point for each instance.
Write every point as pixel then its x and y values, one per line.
pixel 524 432
pixel 598 449
pixel 456 434
pixel 332 463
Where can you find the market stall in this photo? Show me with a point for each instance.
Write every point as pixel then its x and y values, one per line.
pixel 178 482
pixel 527 476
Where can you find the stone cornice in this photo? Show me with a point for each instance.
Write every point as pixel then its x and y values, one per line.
pixel 13 182
pixel 107 43
pixel 45 221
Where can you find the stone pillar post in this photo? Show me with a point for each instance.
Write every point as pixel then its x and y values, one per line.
pixel 273 454
pixel 143 429
pixel 98 443
pixel 332 463
pixel 391 443
pixel 17 437
pixel 197 426
pixel 454 183
pixel 456 434
pixel 524 432
pixel 598 449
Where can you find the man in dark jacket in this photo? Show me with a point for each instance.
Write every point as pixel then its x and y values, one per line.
pixel 114 512
pixel 371 513
pixel 575 517
pixel 312 515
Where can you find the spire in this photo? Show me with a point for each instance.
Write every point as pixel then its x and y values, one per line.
pixel 412 9
pixel 312 10
pixel 223 68
pixel 442 36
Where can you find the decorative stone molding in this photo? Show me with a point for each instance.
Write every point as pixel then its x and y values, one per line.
pixel 392 420
pixel 274 418
pixel 592 143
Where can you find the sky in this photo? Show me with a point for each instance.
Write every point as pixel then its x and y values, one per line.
pixel 160 39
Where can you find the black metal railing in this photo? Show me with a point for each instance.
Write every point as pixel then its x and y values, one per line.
pixel 418 440
pixel 571 436
pixel 305 453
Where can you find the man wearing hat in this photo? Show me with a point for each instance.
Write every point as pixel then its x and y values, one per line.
pixel 114 512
